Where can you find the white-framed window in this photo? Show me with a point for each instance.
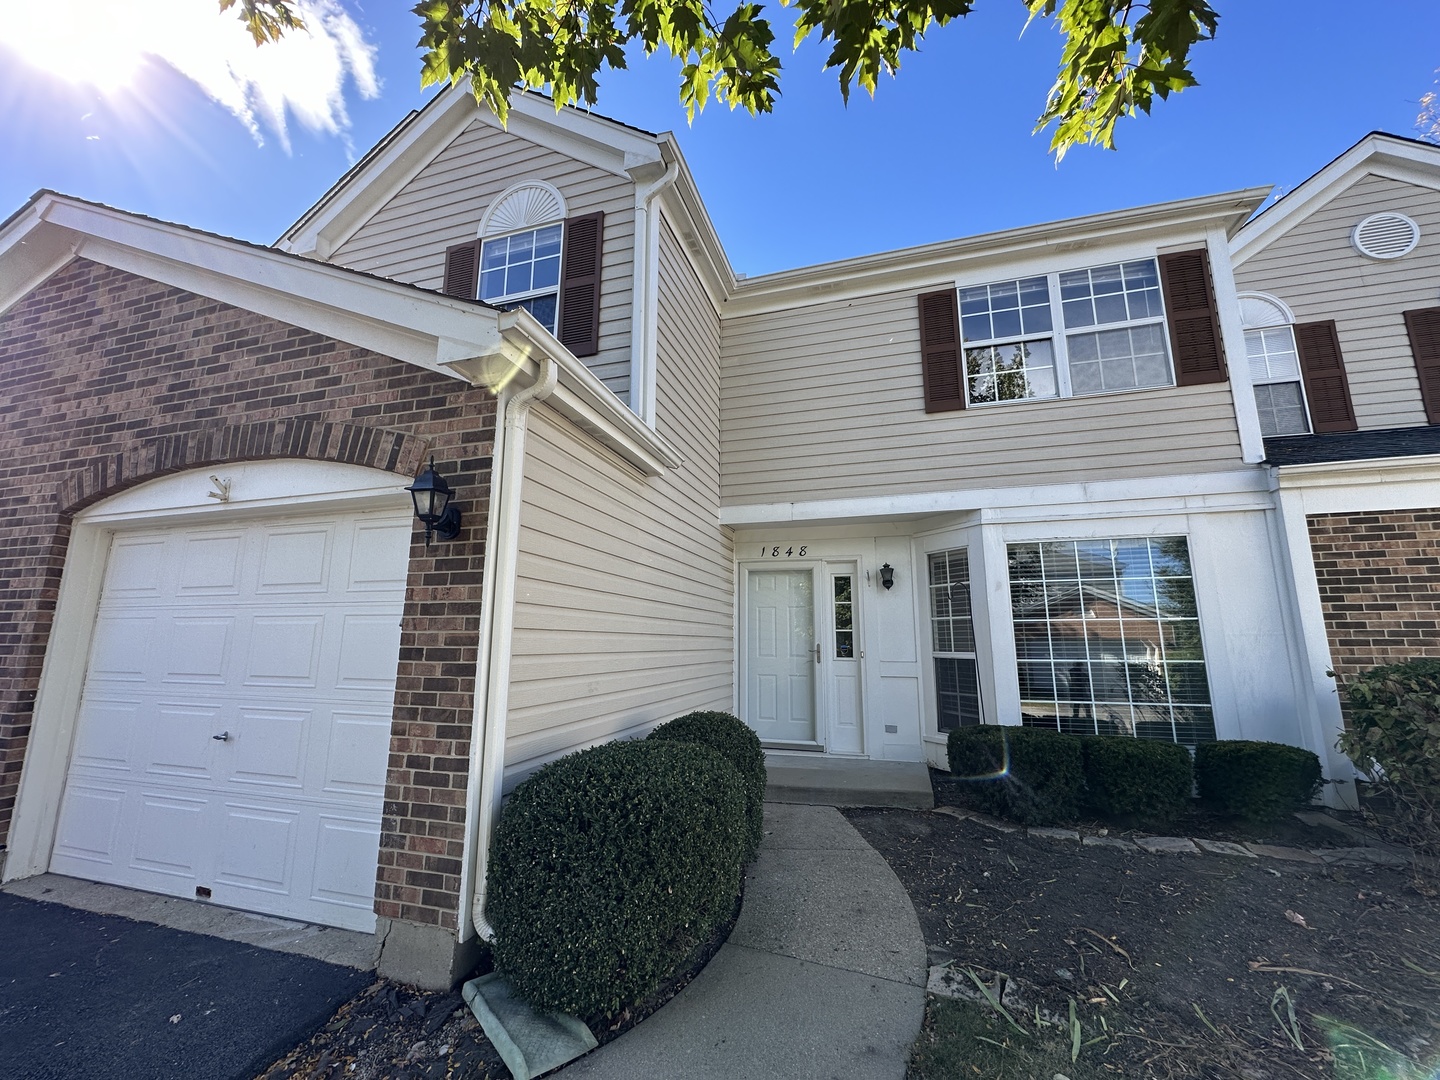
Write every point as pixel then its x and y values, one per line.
pixel 1095 330
pixel 952 641
pixel 1107 638
pixel 1274 366
pixel 523 270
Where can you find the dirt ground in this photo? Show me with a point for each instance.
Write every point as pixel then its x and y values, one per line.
pixel 1177 962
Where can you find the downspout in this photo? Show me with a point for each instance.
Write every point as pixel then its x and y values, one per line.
pixel 492 666
pixel 646 286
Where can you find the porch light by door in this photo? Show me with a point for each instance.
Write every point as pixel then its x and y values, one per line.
pixel 887 576
pixel 432 504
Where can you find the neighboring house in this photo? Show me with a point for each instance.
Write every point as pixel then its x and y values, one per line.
pixel 1002 479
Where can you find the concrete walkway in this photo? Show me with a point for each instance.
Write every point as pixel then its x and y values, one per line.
pixel 823 977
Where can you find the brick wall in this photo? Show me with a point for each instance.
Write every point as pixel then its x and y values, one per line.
pixel 1379 576
pixel 107 380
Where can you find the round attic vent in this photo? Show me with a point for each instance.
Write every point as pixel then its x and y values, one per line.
pixel 1385 236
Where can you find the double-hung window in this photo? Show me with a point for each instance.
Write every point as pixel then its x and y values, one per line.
pixel 523 270
pixel 1091 331
pixel 1274 367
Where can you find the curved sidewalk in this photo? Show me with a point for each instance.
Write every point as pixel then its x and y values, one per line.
pixel 822 978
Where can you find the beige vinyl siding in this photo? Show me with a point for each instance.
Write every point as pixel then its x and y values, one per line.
pixel 1316 271
pixel 625 599
pixel 827 400
pixel 406 239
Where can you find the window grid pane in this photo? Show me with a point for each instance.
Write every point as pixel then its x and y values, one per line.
pixel 957 685
pixel 1015 372
pixel 521 268
pixel 844 618
pixel 1281 406
pixel 1106 638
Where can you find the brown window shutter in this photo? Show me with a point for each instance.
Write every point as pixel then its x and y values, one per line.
pixel 462 270
pixel 1327 391
pixel 578 321
pixel 1194 324
pixel 941 364
pixel 1424 327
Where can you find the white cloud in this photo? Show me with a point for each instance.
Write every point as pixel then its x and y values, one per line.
pixel 304 75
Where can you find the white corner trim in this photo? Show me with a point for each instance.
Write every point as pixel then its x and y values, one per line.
pixel 1232 335
pixel 1230 490
pixel 580 396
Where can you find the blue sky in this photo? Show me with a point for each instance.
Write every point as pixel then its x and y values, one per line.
pixel 944 150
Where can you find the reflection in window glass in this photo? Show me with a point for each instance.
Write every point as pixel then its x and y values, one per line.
pixel 844 618
pixel 952 630
pixel 1025 369
pixel 521 266
pixel 1107 638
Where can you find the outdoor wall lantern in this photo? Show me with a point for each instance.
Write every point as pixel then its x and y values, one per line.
pixel 432 504
pixel 887 576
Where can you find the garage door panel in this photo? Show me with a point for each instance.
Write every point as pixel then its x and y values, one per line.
pixel 106 733
pixel 285 636
pixel 379 556
pixel 256 848
pixel 167 835
pixel 356 754
pixel 178 740
pixel 267 748
pixel 137 567
pixel 89 826
pixel 295 560
pixel 367 644
pixel 199 648
pixel 210 565
pixel 122 650
pixel 284 651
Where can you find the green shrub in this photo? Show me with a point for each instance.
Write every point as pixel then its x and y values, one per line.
pixel 1140 778
pixel 1029 775
pixel 1394 734
pixel 608 867
pixel 737 742
pixel 1259 781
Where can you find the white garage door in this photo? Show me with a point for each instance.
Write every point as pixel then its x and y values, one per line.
pixel 235 724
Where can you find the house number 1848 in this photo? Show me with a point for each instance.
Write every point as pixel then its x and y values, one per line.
pixel 778 552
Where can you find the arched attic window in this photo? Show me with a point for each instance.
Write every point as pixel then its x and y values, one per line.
pixel 528 254
pixel 1274 365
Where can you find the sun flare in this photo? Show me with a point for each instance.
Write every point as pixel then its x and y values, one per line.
pixel 106 43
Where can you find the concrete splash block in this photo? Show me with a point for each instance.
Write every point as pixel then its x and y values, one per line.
pixel 530 1043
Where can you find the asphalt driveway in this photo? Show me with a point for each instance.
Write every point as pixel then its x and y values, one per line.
pixel 103 997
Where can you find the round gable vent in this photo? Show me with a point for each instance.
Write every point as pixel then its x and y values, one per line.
pixel 1385 236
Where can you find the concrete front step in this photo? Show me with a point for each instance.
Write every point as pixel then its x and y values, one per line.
pixel 823 780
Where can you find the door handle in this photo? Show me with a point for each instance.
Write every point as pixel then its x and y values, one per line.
pixel 224 736
pixel 817 652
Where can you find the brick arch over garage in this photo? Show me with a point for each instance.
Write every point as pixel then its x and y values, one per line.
pixel 108 379
pixel 348 444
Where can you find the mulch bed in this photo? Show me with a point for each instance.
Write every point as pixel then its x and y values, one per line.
pixel 1150 943
pixel 395 1032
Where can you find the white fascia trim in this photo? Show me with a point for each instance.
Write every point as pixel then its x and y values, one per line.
pixel 686 212
pixel 1380 155
pixel 1371 475
pixel 388 318
pixel 580 396
pixel 918 267
pixel 585 137
pixel 1246 489
pixel 30 253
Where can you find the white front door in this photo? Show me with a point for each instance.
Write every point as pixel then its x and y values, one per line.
pixel 235 720
pixel 780 655
pixel 801 667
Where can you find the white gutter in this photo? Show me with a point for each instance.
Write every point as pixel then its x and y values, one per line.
pixel 492 667
pixel 645 293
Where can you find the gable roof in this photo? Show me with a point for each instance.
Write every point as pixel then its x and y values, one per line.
pixel 418 139
pixel 1379 153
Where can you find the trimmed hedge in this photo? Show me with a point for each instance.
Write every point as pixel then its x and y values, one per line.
pixel 737 742
pixel 1259 781
pixel 609 866
pixel 1030 775
pixel 1142 778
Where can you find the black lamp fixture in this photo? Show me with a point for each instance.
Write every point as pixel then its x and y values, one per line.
pixel 432 504
pixel 887 576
